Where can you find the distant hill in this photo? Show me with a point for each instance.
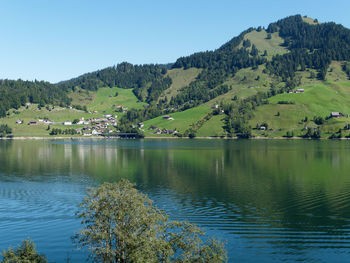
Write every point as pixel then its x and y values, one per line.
pixel 240 86
pixel 17 93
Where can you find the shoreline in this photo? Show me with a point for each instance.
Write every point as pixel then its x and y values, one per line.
pixel 206 138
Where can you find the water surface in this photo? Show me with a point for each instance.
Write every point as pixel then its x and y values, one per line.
pixel 276 201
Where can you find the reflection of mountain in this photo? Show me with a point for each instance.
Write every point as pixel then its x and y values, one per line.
pixel 288 194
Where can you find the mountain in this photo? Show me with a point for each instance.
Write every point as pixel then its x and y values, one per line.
pixel 245 87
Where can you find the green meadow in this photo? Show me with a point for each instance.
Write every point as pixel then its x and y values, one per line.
pixel 25 114
pixel 273 46
pixel 245 83
pixel 105 99
pixel 213 127
pixel 180 79
pixel 182 120
pixel 318 100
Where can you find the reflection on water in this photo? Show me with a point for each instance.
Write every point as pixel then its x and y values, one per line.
pixel 278 200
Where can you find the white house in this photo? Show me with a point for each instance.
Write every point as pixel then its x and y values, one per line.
pixel 336 115
pixel 95 132
pixel 67 123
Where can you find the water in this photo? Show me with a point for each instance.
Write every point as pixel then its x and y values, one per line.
pixel 275 201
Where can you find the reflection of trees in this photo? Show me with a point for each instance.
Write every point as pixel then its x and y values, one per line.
pixel 294 185
pixel 298 185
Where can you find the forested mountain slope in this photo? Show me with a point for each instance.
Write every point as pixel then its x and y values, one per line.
pixel 16 93
pixel 245 78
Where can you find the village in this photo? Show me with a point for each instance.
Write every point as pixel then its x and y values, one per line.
pixel 93 126
pixel 107 125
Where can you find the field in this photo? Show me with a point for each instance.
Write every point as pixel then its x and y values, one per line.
pixel 82 97
pixel 318 100
pixel 310 20
pixel 213 127
pixel 101 101
pixel 272 46
pixel 180 79
pixel 105 99
pixel 182 120
pixel 57 114
pixel 245 83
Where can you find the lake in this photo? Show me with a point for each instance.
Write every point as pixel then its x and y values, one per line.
pixel 271 200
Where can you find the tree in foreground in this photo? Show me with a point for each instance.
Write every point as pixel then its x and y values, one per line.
pixel 24 253
pixel 122 225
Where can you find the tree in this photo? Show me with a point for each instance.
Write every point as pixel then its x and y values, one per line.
pixel 290 134
pixel 122 225
pixel 24 253
pixel 244 132
pixel 5 130
pixel 319 120
pixel 254 52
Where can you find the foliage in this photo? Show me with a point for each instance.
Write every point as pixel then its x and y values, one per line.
pixel 192 130
pixel 75 121
pixel 79 107
pixel 147 81
pixel 24 253
pixel 122 225
pixel 346 68
pixel 289 134
pixel 285 102
pixel 57 131
pixel 313 133
pixel 5 130
pixel 238 114
pixel 217 66
pixel 319 120
pixel 313 46
pixel 16 93
pixel 139 115
pixel 127 128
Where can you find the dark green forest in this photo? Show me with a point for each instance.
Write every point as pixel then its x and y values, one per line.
pixel 16 93
pixel 311 46
pixel 147 81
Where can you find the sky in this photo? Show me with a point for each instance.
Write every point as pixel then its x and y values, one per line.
pixel 55 40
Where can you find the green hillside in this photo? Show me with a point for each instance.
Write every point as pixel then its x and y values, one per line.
pixel 272 44
pixel 32 113
pixel 181 122
pixel 180 79
pixel 105 98
pixel 213 128
pixel 318 100
pixel 101 101
pixel 246 83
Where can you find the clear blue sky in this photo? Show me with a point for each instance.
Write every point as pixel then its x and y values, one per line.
pixel 55 40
